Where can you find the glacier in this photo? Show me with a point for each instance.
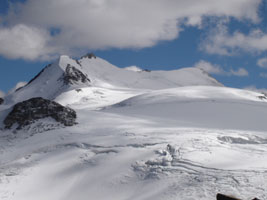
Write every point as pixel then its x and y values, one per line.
pixel 140 135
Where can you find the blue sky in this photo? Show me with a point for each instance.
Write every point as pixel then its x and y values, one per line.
pixel 226 38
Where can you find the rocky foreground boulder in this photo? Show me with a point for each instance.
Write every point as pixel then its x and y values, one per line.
pixel 27 112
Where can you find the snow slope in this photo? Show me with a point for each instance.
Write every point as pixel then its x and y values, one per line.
pixel 111 156
pixel 199 106
pixel 140 136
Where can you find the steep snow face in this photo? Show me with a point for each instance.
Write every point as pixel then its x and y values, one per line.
pixel 67 74
pixel 64 74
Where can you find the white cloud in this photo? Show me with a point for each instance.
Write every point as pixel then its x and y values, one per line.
pixel 220 41
pixel 262 62
pixel 218 70
pixel 210 68
pixel 20 84
pixel 24 42
pixel 100 24
pixel 239 72
pixel 2 94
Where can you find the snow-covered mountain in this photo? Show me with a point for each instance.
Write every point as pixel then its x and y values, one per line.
pixel 67 74
pixel 140 135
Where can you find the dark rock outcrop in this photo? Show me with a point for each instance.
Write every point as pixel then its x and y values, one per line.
pixel 20 88
pixel 89 55
pixel 27 112
pixel 224 197
pixel 78 62
pixel 146 70
pixel 72 75
pixel 263 97
pixel 1 101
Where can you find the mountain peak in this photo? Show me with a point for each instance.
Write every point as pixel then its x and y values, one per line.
pixel 67 74
pixel 72 75
pixel 62 57
pixel 64 61
pixel 89 55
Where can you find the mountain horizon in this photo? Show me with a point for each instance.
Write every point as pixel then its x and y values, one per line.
pixel 91 70
pixel 171 104
pixel 89 128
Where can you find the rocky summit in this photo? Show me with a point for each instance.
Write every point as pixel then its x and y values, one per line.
pixel 27 112
pixel 73 76
pixel 89 55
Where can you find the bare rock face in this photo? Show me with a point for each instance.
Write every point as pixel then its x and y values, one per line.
pixel 27 112
pixel 89 55
pixel 72 76
pixel 1 101
pixel 224 197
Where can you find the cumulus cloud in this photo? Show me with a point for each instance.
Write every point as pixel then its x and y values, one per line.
pixel 210 68
pixel 218 70
pixel 220 41
pixel 262 62
pixel 239 72
pixel 24 42
pixel 67 25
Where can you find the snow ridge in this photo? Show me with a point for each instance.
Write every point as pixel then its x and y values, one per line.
pixel 67 74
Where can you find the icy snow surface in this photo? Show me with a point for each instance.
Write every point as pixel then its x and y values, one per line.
pixel 139 136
